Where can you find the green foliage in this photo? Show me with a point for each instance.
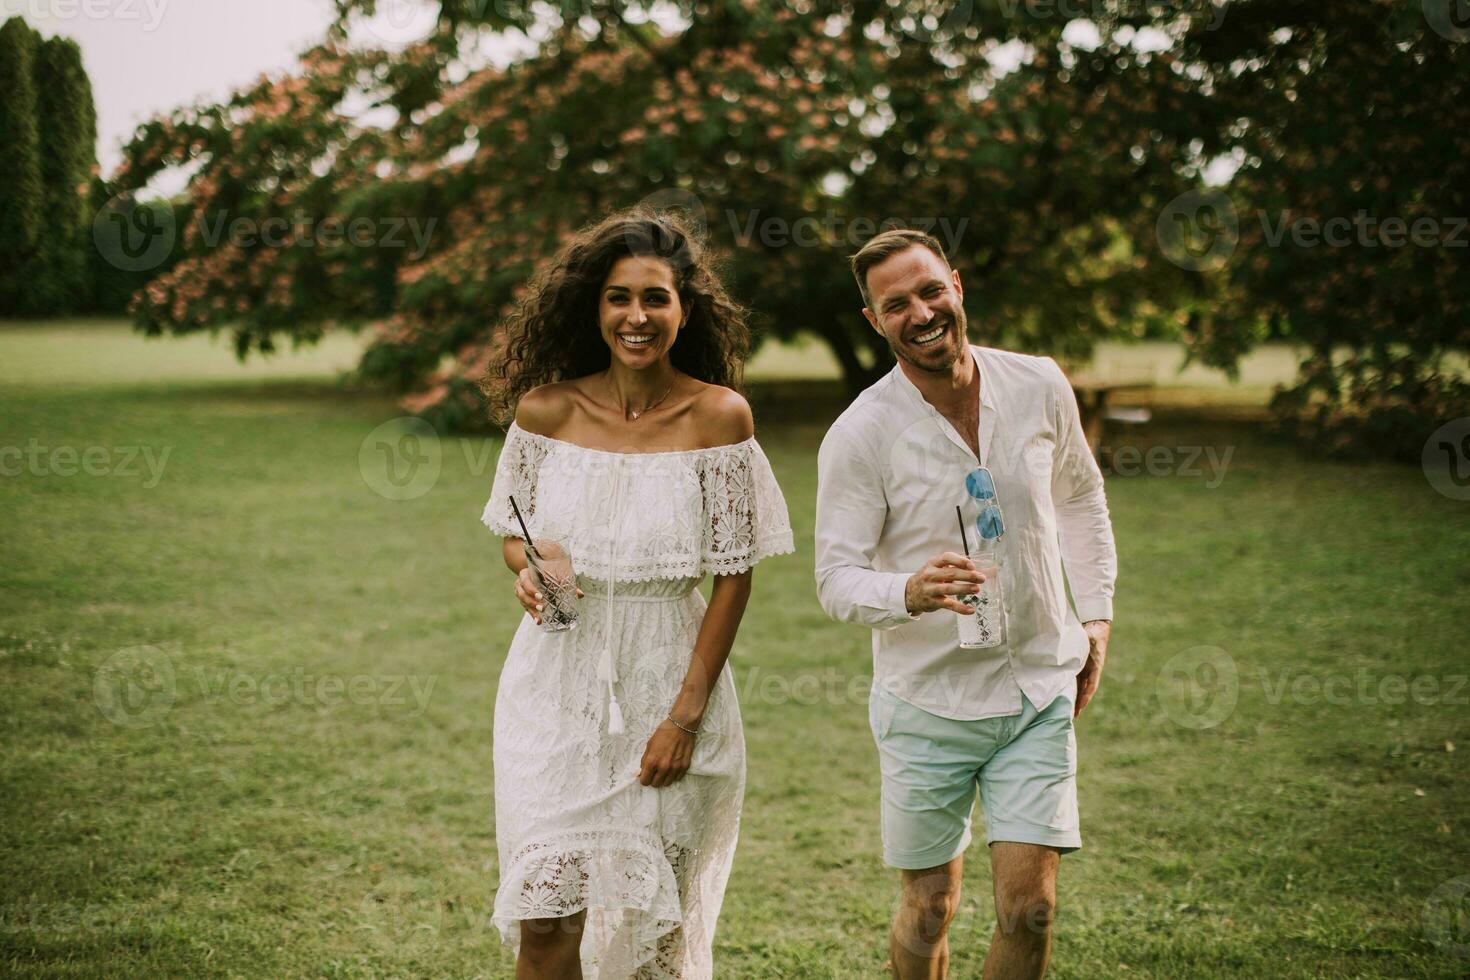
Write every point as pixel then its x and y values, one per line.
pixel 1357 114
pixel 58 279
pixel 21 204
pixel 48 136
pixel 796 129
pixel 793 134
pixel 1381 404
pixel 111 287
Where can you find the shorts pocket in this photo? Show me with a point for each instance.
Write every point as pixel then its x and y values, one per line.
pixel 881 708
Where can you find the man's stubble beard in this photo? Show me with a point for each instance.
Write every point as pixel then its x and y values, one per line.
pixel 956 343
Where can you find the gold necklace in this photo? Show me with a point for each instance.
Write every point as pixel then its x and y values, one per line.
pixel 646 408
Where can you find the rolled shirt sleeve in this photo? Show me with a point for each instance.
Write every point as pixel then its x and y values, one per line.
pixel 1084 529
pixel 851 510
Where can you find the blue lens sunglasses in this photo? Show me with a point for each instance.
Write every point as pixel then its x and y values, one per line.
pixel 981 486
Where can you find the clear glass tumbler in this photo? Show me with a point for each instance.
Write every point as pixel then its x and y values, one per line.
pixel 986 627
pixel 557 581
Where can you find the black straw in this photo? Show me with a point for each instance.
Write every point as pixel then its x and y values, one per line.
pixel 963 540
pixel 529 546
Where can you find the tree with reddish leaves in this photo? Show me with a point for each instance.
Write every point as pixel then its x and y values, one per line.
pixel 1047 157
pixel 793 136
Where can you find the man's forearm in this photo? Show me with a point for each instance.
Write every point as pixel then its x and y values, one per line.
pixel 850 594
pixel 1089 556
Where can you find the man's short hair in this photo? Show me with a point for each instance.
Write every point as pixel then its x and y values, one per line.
pixel 884 245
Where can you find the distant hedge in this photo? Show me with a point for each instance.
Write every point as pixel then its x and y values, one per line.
pixel 20 161
pixel 48 153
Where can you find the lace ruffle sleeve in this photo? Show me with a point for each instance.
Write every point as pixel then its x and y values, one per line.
pixel 516 474
pixel 745 516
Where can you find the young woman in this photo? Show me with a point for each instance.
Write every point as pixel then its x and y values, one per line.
pixel 619 753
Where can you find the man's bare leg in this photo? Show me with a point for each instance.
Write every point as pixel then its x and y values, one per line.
pixel 1025 878
pixel 918 946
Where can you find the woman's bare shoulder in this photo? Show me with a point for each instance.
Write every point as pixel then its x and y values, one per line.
pixel 724 415
pixel 544 409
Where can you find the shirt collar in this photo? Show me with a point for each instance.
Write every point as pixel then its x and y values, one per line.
pixel 977 354
pixel 988 403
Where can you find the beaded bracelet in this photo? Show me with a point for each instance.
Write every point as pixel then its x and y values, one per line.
pixel 686 731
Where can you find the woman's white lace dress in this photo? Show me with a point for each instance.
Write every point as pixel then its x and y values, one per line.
pixel 574 828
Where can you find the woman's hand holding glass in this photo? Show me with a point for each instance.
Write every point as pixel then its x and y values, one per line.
pixel 528 594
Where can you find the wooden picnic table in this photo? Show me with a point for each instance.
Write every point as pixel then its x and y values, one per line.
pixel 1093 397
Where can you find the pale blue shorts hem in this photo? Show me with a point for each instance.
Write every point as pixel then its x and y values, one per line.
pixel 1065 841
pixel 931 858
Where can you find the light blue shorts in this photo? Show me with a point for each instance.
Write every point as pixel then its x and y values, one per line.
pixel 1025 766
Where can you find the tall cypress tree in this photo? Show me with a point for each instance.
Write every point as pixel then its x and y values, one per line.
pixel 84 233
pixel 20 163
pixel 58 280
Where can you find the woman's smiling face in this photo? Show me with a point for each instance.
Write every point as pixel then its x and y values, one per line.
pixel 638 310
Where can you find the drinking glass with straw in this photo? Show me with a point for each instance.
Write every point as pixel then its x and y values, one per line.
pixel 551 565
pixel 985 628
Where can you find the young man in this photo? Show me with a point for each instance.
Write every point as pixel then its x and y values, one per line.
pixel 947 720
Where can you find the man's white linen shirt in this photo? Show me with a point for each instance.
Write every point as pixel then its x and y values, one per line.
pixel 891 471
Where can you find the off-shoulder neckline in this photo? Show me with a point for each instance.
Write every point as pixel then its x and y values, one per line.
pixel 611 452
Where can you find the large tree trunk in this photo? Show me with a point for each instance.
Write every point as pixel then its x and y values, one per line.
pixel 855 374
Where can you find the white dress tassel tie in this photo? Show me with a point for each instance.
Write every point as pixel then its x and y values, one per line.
pixel 607 670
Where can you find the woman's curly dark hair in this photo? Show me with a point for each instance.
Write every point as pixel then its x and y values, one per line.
pixel 552 335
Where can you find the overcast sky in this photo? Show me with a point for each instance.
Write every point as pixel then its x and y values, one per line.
pixel 148 56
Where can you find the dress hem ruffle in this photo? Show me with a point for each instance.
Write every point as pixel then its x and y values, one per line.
pixel 600 871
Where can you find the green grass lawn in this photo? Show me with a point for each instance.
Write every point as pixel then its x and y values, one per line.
pixel 297 783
